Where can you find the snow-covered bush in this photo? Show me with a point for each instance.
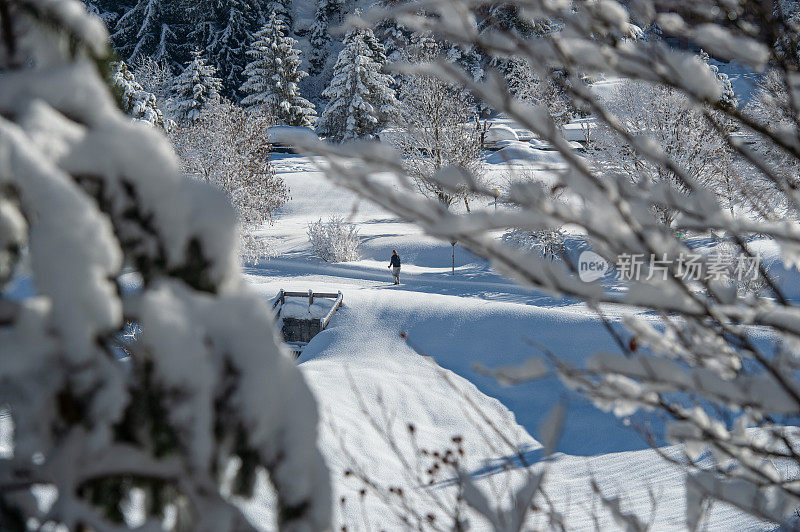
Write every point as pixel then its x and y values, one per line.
pixel 724 258
pixel 155 77
pixel 207 401
pixel 229 147
pixel 670 119
pixel 548 242
pixel 335 240
pixel 720 368
pixel 771 106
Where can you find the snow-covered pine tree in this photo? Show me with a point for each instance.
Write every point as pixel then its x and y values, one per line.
pixel 282 10
pixel 136 102
pixel 327 13
pixel 204 388
pixel 153 28
pixel 471 62
pixel 361 97
pixel 507 17
pixel 273 75
pixel 319 39
pixel 194 88
pixel 469 59
pixel 423 48
pixel 227 50
pixel 108 10
pixel 728 97
pixel 393 35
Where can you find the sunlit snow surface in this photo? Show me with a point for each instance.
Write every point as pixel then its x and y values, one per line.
pixel 475 316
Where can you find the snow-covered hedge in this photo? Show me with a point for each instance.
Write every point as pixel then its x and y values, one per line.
pixel 335 240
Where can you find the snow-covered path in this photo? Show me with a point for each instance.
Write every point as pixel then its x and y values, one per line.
pixel 467 282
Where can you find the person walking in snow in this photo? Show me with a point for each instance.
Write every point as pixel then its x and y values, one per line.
pixel 394 264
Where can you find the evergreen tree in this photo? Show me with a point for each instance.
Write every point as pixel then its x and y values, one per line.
pixel 506 17
pixel 361 97
pixel 135 101
pixel 195 88
pixel 469 59
pixel 423 48
pixel 152 28
pixel 228 49
pixel 320 42
pixel 728 97
pixel 109 10
pixel 281 9
pixel 273 75
pixel 204 384
pixel 328 12
pixel 376 49
pixel 393 35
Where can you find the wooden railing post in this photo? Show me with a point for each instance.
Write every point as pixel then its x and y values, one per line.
pixel 310 298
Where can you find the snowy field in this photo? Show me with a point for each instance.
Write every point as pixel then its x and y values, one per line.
pixel 370 382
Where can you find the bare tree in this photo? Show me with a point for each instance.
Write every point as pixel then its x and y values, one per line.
pixel 669 118
pixel 433 129
pixel 771 106
pixel 228 147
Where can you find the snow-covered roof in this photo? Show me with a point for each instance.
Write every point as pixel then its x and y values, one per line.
pixel 288 135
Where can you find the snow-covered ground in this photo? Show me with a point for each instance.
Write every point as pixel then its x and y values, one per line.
pixel 369 379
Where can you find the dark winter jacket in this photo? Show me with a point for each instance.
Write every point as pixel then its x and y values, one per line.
pixel 395 261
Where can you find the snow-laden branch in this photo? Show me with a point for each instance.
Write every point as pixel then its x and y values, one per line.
pixel 675 153
pixel 84 193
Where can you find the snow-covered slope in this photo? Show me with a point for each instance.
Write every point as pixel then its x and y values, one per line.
pixel 363 373
pixel 369 383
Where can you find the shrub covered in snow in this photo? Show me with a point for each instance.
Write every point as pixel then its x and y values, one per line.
pixel 548 242
pixel 669 118
pixel 335 240
pixel 771 104
pixel 155 77
pixel 207 401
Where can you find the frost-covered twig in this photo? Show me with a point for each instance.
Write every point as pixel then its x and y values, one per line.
pixel 702 350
